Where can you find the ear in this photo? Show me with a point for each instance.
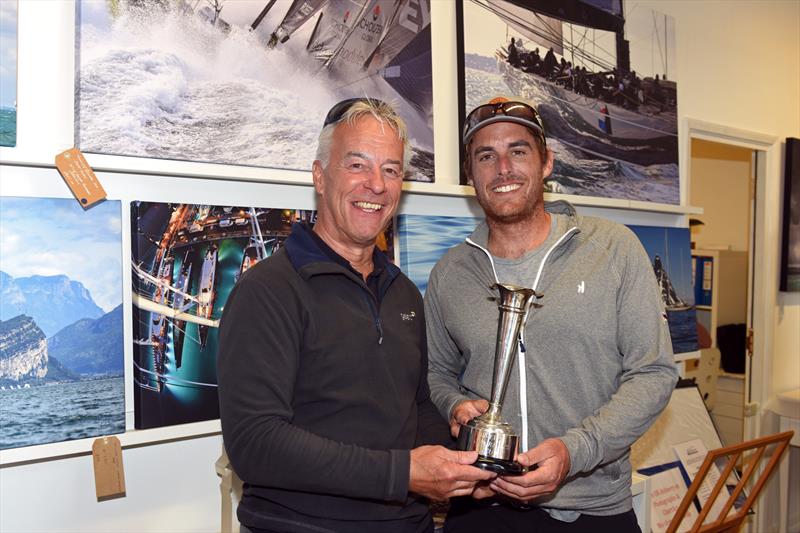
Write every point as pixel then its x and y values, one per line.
pixel 318 174
pixel 548 165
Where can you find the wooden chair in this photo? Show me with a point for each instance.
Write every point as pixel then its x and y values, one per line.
pixel 230 488
pixel 733 454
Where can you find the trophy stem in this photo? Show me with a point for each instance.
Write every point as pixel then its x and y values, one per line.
pixel 513 305
pixel 493 413
pixel 493 439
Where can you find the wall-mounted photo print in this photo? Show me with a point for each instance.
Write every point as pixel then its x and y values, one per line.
pixel 602 76
pixel 670 253
pixel 790 252
pixel 61 328
pixel 246 82
pixel 8 73
pixel 186 258
pixel 423 240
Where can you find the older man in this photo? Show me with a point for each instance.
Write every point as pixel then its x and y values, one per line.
pixel 595 363
pixel 324 402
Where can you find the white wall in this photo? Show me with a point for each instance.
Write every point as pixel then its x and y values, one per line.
pixel 170 487
pixel 720 184
pixel 738 65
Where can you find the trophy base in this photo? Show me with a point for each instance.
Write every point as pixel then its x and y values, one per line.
pixel 500 466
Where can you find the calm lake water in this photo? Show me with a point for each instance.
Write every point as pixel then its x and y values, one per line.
pixel 66 411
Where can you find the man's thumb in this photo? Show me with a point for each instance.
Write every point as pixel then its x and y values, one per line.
pixel 482 405
pixel 466 457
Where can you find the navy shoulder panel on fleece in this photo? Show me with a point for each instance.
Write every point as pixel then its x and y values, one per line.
pixel 302 250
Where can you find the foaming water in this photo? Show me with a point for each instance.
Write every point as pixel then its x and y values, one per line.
pixel 166 84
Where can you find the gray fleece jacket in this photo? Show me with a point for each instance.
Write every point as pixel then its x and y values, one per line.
pixel 598 357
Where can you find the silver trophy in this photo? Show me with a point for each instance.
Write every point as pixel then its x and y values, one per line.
pixel 493 439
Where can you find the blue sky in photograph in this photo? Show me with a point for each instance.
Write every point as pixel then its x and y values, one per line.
pixel 8 53
pixel 49 236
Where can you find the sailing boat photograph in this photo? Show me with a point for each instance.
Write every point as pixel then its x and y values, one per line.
pixel 670 253
pixel 185 260
pixel 246 82
pixel 601 73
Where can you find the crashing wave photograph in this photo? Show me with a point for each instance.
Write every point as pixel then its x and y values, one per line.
pixel 246 82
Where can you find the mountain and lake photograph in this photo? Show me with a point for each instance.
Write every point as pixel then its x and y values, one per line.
pixel 61 321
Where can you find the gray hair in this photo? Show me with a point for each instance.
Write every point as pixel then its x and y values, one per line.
pixel 380 111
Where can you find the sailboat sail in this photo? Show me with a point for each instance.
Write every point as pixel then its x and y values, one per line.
pixel 410 19
pixel 599 14
pixel 377 47
pixel 611 6
pixel 339 16
pixel 544 31
pixel 298 14
pixel 672 301
pixel 410 73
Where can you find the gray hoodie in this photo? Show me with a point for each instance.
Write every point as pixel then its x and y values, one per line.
pixel 598 358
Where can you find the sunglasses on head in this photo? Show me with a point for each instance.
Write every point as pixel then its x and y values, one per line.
pixel 508 111
pixel 338 111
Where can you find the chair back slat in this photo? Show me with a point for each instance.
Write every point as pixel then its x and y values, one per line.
pixel 724 522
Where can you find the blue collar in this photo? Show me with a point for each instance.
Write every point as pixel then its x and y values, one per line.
pixel 304 250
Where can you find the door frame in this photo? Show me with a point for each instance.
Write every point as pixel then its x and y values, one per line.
pixel 765 245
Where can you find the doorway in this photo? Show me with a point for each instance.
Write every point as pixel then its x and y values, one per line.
pixel 761 286
pixel 723 185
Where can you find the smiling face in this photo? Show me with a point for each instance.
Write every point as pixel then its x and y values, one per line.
pixel 359 189
pixel 508 172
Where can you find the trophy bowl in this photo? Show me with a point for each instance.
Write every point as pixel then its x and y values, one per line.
pixel 495 442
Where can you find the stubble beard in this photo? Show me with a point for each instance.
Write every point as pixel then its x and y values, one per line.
pixel 526 213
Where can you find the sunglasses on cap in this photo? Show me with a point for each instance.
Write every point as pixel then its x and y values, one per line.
pixel 338 111
pixel 506 111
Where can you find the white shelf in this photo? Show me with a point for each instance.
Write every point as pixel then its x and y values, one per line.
pixel 685 356
pixel 131 438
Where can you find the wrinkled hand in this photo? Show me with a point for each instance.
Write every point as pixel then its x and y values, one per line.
pixel 464 411
pixel 552 457
pixel 439 473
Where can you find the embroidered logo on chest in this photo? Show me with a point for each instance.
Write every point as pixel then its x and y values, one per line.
pixel 581 287
pixel 408 316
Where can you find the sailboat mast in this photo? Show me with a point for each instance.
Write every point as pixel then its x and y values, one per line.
pixel 261 15
pixel 623 46
pixel 666 49
pixel 572 44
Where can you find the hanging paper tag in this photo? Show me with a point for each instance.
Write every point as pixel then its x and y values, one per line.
pixel 109 475
pixel 80 177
